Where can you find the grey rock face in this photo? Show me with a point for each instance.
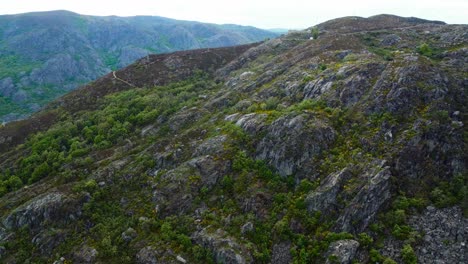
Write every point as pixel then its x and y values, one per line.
pixel 209 169
pixel 147 255
pixel 324 198
pixel 226 250
pixel 292 141
pixel 211 146
pixel 51 207
pixel 85 255
pixel 281 253
pixel 3 233
pixel 445 235
pixel 185 118
pixel 129 235
pixel 342 251
pixel 47 240
pixel 317 87
pixel 390 40
pixel 364 206
pixel 247 227
pixel 175 193
pixel 251 123
pixel 257 204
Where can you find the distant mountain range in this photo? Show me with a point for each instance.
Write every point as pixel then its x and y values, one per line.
pixel 279 30
pixel 46 54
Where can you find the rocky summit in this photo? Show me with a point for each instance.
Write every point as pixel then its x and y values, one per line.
pixel 342 144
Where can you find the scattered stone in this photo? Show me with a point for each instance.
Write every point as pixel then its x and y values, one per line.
pixel 246 75
pixel 342 54
pixel 129 234
pixel 281 253
pixel 225 249
pixel 342 251
pixel 445 233
pixel 390 40
pixel 143 219
pixel 60 261
pixel 181 259
pixel 85 254
pixel 147 255
pixel 247 227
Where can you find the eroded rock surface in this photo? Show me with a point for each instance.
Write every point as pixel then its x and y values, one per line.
pixel 226 250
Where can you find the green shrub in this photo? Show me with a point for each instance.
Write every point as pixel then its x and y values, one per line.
pixel 227 183
pixel 451 193
pixel 365 240
pixel 314 32
pixel 306 186
pixel 40 172
pixel 395 217
pixel 333 259
pixel 425 49
pixel 408 255
pixel 271 103
pixel 404 203
pixel 375 256
pixel 384 53
pixel 402 232
pixel 3 188
pixel 389 261
pixel 166 231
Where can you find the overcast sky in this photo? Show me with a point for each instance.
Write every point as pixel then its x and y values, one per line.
pixel 258 13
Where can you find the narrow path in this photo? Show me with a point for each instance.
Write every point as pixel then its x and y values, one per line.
pixel 117 78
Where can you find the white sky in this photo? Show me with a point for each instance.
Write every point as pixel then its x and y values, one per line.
pixel 258 13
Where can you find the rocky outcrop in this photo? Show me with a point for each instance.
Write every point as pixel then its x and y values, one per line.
pixel 251 123
pixel 129 235
pixel 342 251
pixel 443 232
pixel 362 209
pixel 85 254
pixel 212 146
pixel 147 255
pixel 291 142
pixel 54 207
pixel 324 198
pixel 47 240
pixel 175 192
pixel 226 250
pixel 185 118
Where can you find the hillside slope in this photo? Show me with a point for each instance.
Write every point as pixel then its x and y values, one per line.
pixel 46 54
pixel 350 147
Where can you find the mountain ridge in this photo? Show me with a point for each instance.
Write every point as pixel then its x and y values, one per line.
pixel 46 54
